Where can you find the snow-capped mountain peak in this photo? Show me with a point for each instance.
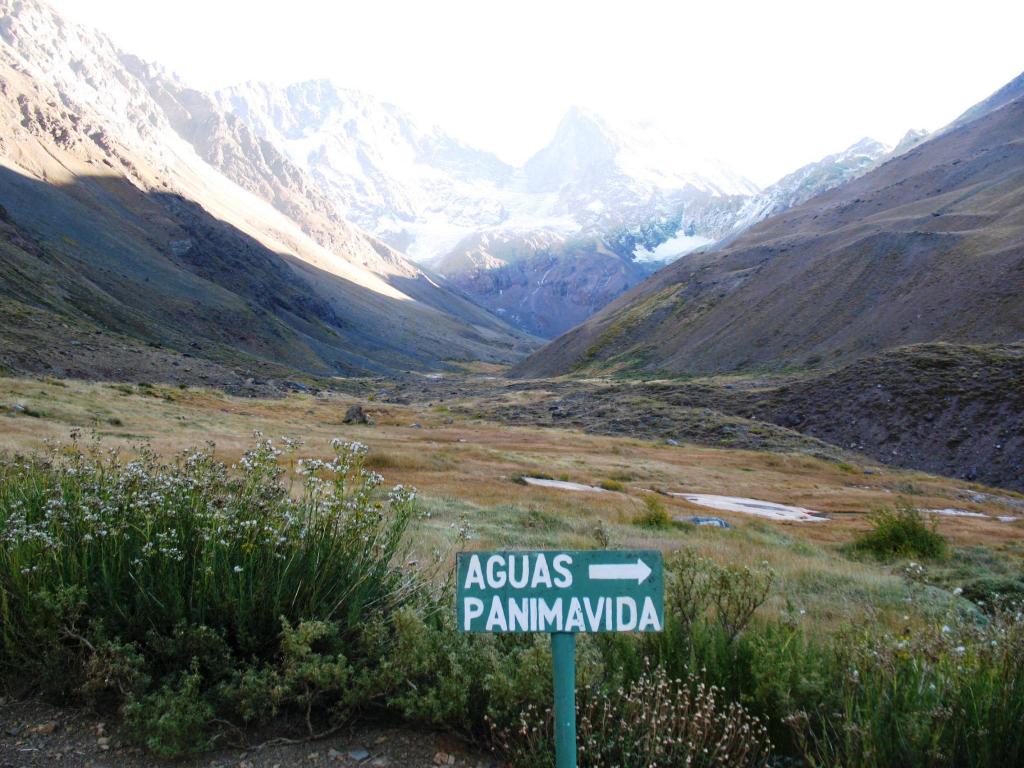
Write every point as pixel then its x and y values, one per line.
pixel 583 147
pixel 587 147
pixel 608 198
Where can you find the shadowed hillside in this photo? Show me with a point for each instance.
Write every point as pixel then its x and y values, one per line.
pixel 952 410
pixel 158 269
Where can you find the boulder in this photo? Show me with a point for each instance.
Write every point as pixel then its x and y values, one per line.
pixel 356 415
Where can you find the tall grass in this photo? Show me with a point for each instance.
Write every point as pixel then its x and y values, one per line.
pixel 947 695
pixel 144 546
pixel 653 515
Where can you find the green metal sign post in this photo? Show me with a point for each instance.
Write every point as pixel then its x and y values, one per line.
pixel 563 666
pixel 563 593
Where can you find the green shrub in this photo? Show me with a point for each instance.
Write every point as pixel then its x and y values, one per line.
pixel 613 485
pixel 176 719
pixel 995 592
pixel 709 609
pixel 433 674
pixel 535 518
pixel 900 532
pixel 654 514
pixel 698 588
pixel 602 534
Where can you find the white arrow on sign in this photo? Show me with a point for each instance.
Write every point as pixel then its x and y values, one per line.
pixel 622 571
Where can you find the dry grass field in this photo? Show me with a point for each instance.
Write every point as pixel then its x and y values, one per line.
pixel 468 472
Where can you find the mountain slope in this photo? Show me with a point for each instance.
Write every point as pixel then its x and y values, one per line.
pixel 949 409
pixel 167 249
pixel 927 247
pixel 630 195
pixel 255 164
pixel 1012 91
pixel 543 246
pixel 542 282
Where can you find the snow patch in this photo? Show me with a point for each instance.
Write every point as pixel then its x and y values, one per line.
pixel 672 249
pixel 951 512
pixel 562 485
pixel 766 509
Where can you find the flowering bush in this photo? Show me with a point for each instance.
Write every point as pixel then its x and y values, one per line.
pixel 654 721
pixel 133 578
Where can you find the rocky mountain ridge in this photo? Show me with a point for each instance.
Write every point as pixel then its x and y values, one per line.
pixel 543 246
pixel 594 199
pixel 424 191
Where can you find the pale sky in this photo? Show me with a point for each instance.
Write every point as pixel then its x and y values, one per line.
pixel 766 86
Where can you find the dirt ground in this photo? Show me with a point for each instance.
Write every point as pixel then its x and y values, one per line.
pixel 34 734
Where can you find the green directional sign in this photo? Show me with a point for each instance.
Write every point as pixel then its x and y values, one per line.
pixel 563 593
pixel 592 591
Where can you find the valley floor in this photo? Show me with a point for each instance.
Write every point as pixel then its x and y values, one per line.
pixel 452 439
